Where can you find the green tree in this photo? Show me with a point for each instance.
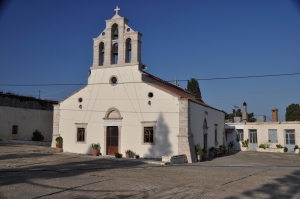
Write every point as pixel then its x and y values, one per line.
pixel 292 112
pixel 238 113
pixel 193 86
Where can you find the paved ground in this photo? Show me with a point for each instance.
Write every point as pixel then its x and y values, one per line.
pixel 35 172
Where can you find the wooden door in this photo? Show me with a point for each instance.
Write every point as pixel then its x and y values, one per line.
pixel 112 140
pixel 290 139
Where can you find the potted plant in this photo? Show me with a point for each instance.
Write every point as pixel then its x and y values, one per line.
pixel 129 153
pixel 211 152
pixel 59 141
pixel 199 152
pixel 96 149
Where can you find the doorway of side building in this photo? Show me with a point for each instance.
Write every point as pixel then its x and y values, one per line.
pixel 112 140
pixel 252 140
pixel 290 139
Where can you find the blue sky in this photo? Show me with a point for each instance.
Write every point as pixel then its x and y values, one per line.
pixel 50 41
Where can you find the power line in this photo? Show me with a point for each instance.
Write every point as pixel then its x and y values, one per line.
pixel 200 79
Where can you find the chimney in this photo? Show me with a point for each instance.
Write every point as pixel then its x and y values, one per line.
pixel 274 115
pixel 244 113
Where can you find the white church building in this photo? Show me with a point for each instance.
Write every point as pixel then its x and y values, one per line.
pixel 123 107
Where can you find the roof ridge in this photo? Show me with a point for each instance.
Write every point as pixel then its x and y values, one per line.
pixel 165 82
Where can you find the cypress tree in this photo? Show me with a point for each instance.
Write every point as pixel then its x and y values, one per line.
pixel 193 86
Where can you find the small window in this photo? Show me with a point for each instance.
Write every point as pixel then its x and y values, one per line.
pixel 103 33
pixel 15 129
pixel 80 99
pixel 148 135
pixel 128 29
pixel 80 134
pixel 273 135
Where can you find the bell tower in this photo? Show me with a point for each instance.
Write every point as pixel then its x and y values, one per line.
pixel 117 45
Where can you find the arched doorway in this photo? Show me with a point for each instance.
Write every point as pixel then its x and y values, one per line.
pixel 112 131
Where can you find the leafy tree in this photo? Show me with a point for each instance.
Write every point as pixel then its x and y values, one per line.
pixel 292 112
pixel 238 113
pixel 193 86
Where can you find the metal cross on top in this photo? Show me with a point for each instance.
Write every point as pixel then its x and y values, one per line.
pixel 117 9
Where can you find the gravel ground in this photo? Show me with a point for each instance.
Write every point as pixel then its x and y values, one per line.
pixel 40 172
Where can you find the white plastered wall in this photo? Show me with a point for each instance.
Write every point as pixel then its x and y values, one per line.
pixel 131 100
pixel 263 135
pixel 28 120
pixel 197 115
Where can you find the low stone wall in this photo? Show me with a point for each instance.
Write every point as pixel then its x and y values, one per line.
pixel 244 148
pixel 272 150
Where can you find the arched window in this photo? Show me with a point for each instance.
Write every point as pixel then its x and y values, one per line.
pixel 101 54
pixel 205 127
pixel 114 54
pixel 128 50
pixel 114 32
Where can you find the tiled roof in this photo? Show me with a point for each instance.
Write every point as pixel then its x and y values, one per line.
pixel 169 84
pixel 175 90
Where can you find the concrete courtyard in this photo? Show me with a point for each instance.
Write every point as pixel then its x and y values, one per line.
pixel 38 172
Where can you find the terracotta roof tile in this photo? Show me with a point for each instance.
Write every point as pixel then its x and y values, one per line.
pixel 174 89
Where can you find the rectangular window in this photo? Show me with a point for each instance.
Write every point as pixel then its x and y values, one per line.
pixel 80 134
pixel 273 136
pixel 148 135
pixel 15 129
pixel 240 135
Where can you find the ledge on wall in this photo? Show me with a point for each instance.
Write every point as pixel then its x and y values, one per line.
pixel 272 150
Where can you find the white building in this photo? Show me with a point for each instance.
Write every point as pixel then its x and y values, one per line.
pixel 20 116
pixel 123 107
pixel 287 134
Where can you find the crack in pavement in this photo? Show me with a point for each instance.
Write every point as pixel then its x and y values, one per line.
pixel 71 188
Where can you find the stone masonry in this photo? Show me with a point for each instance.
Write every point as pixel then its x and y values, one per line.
pixel 185 136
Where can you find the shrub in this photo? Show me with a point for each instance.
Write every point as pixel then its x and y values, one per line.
pixel 118 155
pixel 279 146
pixel 137 156
pixel 95 146
pixel 245 143
pixel 59 139
pixel 285 149
pixel 262 146
pixel 37 136
pixel 296 147
pixel 198 149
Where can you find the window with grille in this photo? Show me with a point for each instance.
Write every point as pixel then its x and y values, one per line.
pixel 273 136
pixel 148 135
pixel 240 135
pixel 15 129
pixel 80 134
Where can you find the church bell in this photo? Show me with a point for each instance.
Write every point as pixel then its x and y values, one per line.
pixel 116 32
pixel 115 50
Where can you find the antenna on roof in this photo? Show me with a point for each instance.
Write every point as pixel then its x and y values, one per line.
pixel 235 107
